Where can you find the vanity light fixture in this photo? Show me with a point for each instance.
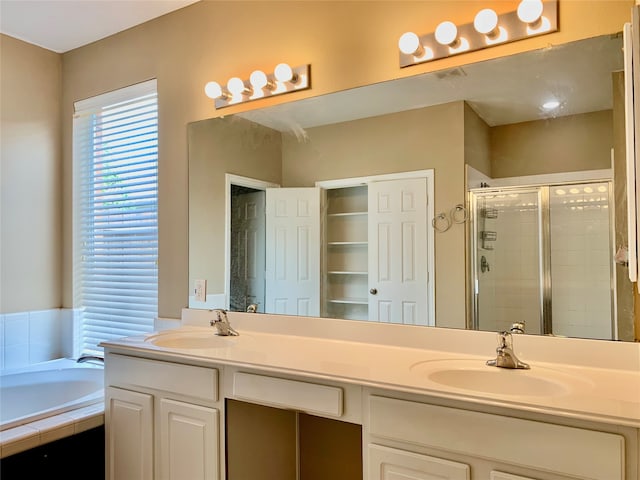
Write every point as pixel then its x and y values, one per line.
pixel 447 34
pixel 409 44
pixel 486 23
pixel 284 79
pixel 259 80
pixel 214 90
pixel 237 87
pixel 530 12
pixel 531 18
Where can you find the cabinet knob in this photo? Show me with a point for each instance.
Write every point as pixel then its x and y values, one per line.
pixel 373 291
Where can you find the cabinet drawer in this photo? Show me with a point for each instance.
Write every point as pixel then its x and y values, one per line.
pixel 390 463
pixel 196 382
pixel 547 447
pixel 294 394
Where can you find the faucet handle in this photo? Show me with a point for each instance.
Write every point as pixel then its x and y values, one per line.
pixel 505 340
pixel 221 322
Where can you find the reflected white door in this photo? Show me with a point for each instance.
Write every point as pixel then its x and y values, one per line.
pixel 398 261
pixel 293 251
pixel 247 251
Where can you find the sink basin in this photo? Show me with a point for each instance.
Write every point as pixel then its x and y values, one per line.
pixel 475 376
pixel 191 340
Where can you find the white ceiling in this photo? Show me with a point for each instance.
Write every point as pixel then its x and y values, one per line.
pixel 62 25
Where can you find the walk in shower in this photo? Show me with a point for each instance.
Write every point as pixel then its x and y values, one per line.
pixel 543 255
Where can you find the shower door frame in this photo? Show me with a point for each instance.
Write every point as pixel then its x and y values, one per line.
pixel 546 321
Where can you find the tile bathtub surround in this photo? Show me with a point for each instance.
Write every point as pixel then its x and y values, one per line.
pixel 27 338
pixel 15 350
pixel 25 437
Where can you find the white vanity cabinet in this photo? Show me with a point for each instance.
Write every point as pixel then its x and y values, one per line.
pixel 177 416
pixel 415 440
pixel 162 420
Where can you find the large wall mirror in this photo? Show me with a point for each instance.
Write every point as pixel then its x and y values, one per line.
pixel 527 198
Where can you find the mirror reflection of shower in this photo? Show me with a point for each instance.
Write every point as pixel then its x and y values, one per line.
pixel 522 234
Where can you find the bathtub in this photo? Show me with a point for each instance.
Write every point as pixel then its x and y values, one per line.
pixel 48 389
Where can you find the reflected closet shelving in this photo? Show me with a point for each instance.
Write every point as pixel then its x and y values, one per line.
pixel 346 253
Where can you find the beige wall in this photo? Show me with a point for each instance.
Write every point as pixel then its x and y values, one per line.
pixel 427 138
pixel 349 44
pixel 565 144
pixel 477 141
pixel 30 155
pixel 219 146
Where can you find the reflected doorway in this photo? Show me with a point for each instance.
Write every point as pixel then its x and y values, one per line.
pixel 247 248
pixel 245 242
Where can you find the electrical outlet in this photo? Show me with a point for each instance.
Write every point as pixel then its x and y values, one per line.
pixel 200 290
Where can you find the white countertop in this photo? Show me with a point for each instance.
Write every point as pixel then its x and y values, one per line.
pixel 388 358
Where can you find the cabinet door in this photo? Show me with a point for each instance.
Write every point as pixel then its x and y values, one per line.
pixel 189 446
pixel 392 464
pixel 129 432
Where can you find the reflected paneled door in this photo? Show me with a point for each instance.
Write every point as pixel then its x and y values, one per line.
pixel 398 263
pixel 293 251
pixel 247 252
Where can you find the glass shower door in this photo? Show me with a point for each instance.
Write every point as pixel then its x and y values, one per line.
pixel 581 261
pixel 507 260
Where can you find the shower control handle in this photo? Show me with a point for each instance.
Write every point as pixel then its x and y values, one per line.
pixel 484 265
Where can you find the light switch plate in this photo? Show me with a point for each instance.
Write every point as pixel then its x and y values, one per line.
pixel 200 290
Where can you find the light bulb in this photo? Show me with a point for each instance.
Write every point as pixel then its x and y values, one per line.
pixel 486 21
pixel 551 105
pixel 409 44
pixel 236 86
pixel 258 80
pixel 213 90
pixel 283 73
pixel 446 33
pixel 530 11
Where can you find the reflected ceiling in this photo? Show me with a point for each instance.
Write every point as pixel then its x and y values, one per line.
pixel 552 73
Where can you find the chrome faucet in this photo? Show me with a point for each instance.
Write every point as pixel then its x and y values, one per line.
pixel 221 322
pixel 506 357
pixel 252 308
pixel 517 327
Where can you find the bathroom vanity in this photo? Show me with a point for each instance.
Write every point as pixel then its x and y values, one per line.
pixel 394 402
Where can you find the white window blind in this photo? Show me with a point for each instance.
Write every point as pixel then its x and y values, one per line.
pixel 115 156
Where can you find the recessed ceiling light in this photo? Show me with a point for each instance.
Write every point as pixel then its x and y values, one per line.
pixel 551 104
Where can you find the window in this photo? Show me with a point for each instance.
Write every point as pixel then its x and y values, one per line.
pixel 115 155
